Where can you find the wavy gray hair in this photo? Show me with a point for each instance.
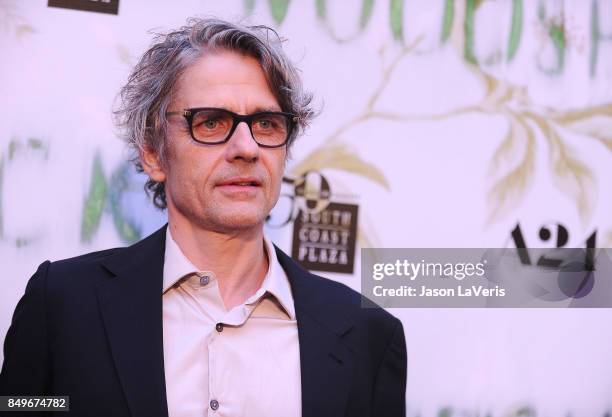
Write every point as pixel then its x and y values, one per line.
pixel 144 99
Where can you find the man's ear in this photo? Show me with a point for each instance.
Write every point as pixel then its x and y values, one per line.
pixel 152 165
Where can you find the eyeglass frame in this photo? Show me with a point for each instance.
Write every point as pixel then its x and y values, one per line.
pixel 189 113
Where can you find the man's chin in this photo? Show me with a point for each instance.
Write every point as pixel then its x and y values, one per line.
pixel 239 221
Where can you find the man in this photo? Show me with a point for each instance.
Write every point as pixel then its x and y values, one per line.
pixel 206 316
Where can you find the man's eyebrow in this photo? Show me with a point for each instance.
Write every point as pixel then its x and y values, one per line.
pixel 266 109
pixel 257 109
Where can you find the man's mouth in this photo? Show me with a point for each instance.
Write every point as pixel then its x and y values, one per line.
pixel 240 182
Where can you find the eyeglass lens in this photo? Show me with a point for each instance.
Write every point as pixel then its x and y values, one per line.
pixel 210 126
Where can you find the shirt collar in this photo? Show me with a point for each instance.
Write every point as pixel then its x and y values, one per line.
pixel 177 266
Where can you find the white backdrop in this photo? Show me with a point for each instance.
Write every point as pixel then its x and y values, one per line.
pixel 448 122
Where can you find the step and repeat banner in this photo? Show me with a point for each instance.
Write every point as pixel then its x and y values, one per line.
pixel 443 124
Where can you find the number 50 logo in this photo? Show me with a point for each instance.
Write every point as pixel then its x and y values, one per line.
pixel 310 193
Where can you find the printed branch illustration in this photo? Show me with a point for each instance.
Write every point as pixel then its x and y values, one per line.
pixel 513 162
pixel 335 154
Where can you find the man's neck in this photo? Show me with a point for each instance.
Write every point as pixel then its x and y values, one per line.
pixel 238 260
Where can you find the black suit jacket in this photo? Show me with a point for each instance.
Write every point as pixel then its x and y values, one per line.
pixel 91 327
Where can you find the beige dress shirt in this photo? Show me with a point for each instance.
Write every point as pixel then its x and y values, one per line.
pixel 241 362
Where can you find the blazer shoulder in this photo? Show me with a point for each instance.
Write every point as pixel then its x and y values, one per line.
pixel 78 269
pixel 151 245
pixel 84 260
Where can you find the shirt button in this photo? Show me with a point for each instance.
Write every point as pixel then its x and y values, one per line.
pixel 214 404
pixel 204 280
pixel 219 327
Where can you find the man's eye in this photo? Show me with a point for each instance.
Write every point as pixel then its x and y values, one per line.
pixel 211 123
pixel 265 124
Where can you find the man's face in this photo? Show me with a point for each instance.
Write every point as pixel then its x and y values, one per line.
pixel 211 186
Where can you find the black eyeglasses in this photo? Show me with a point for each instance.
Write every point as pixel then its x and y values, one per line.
pixel 212 126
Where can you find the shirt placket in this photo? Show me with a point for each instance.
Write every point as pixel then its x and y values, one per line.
pixel 224 332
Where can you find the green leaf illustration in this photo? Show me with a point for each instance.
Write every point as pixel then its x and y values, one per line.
pixel 321 7
pixel 340 156
pixel 447 22
pixel 279 9
pixel 119 183
pixel 126 229
pixel 516 28
pixel 557 35
pixel 468 28
pixel 396 19
pixel 95 201
pixel 366 13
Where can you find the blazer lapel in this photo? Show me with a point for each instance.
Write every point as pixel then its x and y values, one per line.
pixel 326 355
pixel 130 300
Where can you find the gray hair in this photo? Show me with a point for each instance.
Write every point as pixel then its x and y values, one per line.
pixel 144 99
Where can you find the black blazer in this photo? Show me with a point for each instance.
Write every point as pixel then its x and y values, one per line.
pixel 91 327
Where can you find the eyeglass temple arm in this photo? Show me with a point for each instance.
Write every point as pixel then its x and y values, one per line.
pixel 178 113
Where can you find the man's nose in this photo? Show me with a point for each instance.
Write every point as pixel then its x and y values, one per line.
pixel 241 144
